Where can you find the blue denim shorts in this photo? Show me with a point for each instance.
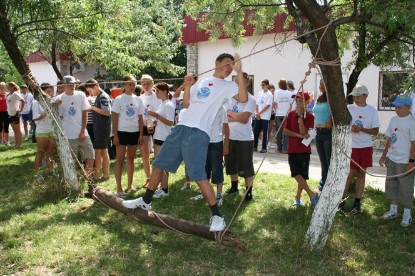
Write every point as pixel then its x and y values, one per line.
pixel 214 163
pixel 188 144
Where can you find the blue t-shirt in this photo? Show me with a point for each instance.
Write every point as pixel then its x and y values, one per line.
pixel 321 113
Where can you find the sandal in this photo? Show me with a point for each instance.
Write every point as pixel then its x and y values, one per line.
pixel 132 190
pixel 121 195
pixel 103 178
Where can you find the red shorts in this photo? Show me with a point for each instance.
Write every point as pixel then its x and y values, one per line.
pixel 363 157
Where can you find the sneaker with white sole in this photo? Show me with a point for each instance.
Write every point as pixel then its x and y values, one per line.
pixel 185 186
pixel 219 201
pixel 136 203
pixel 390 215
pixel 198 197
pixel 406 221
pixel 160 193
pixel 217 224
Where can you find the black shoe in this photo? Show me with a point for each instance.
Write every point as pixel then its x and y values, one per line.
pixel 248 197
pixel 232 191
pixel 356 209
pixel 263 151
pixel 255 149
pixel 342 208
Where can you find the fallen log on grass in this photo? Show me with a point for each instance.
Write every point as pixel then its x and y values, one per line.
pixel 164 221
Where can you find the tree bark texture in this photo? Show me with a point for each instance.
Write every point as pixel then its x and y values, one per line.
pixel 164 221
pixel 10 44
pixel 327 49
pixel 331 195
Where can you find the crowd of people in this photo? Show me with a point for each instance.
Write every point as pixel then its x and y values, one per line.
pixel 218 120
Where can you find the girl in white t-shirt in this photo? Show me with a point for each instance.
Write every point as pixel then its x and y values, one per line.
pixel 127 125
pixel 45 136
pixel 15 104
pixel 165 119
pixel 150 102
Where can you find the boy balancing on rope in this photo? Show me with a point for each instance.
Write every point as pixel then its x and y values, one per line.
pixel 189 140
pixel 399 157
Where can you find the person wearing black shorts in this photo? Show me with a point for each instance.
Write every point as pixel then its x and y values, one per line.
pixel 101 116
pixel 297 124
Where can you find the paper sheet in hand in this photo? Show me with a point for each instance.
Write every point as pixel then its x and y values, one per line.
pixel 312 132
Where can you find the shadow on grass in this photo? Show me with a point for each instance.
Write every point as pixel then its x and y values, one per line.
pixel 88 238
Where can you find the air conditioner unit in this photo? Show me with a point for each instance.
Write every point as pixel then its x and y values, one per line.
pixel 79 67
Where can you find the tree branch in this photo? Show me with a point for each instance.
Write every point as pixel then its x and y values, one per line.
pixel 50 29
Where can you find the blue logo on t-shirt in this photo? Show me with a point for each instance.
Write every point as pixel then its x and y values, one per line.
pixel 130 112
pixel 358 123
pixel 394 138
pixel 261 101
pixel 203 93
pixel 72 111
pixel 235 108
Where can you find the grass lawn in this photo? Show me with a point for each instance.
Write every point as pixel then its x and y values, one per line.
pixel 44 234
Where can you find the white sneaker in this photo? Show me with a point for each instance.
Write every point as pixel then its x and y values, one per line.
pixel 198 197
pixel 390 215
pixel 26 137
pixel 406 221
pixel 160 193
pixel 136 203
pixel 217 224
pixel 219 201
pixel 185 186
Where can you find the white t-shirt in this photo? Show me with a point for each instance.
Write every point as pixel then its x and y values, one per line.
pixel 71 112
pixel 128 107
pixel 366 117
pixel 401 130
pixel 150 102
pixel 167 110
pixel 283 100
pixel 28 98
pixel 44 125
pixel 207 96
pixel 262 100
pixel 413 103
pixel 237 130
pixel 13 103
pixel 221 118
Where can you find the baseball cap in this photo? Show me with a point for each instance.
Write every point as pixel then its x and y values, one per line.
pixel 402 100
pixel 359 90
pixel 23 86
pixel 300 95
pixel 68 80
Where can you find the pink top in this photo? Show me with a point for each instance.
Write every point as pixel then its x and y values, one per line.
pixel 3 103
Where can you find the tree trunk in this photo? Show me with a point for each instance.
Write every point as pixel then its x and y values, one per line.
pixel 324 212
pixel 326 208
pixel 164 221
pixel 10 44
pixel 53 61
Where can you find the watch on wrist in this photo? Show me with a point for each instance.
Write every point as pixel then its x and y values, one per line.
pixel 411 161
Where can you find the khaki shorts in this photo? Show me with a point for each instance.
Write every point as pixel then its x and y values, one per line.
pixel 402 188
pixel 85 147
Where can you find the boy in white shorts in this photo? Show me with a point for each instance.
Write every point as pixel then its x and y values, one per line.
pixel 189 140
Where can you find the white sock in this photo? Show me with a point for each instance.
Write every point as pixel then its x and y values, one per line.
pixel 407 212
pixel 394 208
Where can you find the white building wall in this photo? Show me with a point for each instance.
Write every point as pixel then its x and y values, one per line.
pixel 289 61
pixel 43 72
